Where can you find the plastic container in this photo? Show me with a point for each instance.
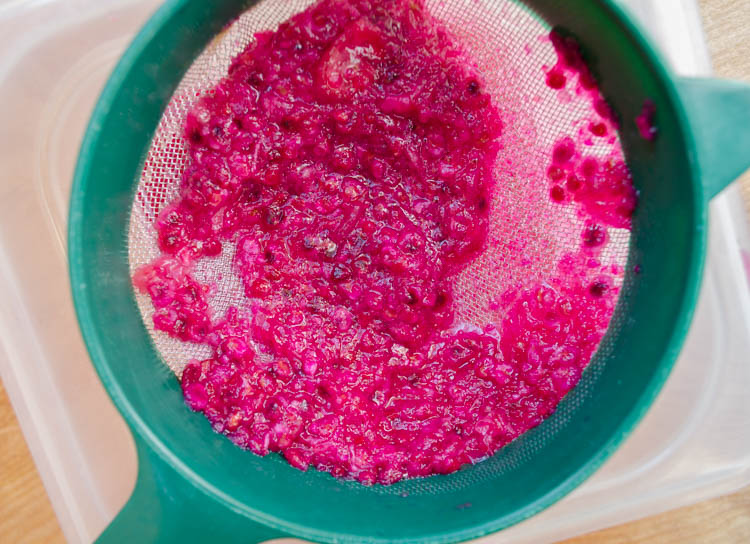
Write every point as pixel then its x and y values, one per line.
pixel 693 444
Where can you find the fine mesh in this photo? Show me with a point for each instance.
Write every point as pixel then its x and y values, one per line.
pixel 528 232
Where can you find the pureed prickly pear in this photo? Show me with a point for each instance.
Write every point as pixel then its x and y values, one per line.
pixel 346 162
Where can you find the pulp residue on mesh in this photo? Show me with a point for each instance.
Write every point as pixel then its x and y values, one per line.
pixel 347 159
pixel 645 121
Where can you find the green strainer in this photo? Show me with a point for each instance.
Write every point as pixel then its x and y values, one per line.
pixel 194 485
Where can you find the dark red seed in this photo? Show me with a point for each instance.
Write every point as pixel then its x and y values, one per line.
pixel 555 79
pixel 563 151
pixel 195 137
pixel 573 183
pixel 255 79
pixel 598 288
pixel 557 193
pixel 555 173
pixel 594 236
pixel 598 129
pixel 211 248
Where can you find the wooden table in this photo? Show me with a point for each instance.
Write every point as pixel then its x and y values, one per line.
pixel 26 515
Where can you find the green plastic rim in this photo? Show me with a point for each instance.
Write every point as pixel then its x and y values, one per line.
pixel 97 236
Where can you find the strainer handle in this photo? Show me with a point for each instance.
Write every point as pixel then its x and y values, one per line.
pixel 165 507
pixel 719 116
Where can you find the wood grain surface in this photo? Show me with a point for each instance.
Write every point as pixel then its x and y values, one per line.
pixel 26 515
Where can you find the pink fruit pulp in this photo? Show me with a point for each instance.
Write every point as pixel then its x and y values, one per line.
pixel 347 159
